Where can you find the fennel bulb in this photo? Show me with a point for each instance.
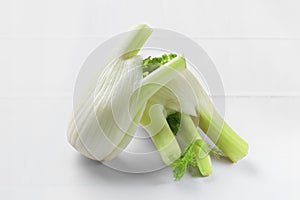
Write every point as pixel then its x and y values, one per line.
pixel 163 96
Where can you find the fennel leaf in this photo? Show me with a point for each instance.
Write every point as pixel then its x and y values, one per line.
pixel 181 164
pixel 151 64
pixel 174 121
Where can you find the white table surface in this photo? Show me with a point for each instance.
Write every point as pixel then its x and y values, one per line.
pixel 38 163
pixel 255 45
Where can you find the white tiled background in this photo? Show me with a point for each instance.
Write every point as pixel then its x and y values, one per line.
pixel 254 44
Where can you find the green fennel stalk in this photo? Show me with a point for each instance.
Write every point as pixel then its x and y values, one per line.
pixel 195 151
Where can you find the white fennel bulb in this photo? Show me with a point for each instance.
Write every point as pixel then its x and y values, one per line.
pixel 106 121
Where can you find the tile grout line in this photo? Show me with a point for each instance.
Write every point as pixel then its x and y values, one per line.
pixel 214 96
pixel 74 37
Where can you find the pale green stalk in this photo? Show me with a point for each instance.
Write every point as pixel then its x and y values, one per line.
pixel 223 136
pixel 150 85
pixel 134 40
pixel 185 94
pixel 154 121
pixel 214 125
pixel 189 135
pixel 106 141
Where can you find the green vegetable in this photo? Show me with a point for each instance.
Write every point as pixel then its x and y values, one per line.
pixel 151 64
pixel 174 122
pixel 97 128
pixel 183 99
pixel 189 136
pixel 166 99
pixel 154 121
